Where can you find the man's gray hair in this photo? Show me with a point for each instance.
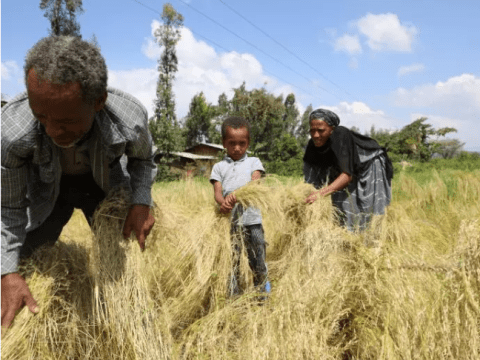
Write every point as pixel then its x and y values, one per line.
pixel 65 59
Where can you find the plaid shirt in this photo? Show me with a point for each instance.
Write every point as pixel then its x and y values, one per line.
pixel 31 169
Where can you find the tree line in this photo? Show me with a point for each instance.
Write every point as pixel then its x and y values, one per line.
pixel 279 133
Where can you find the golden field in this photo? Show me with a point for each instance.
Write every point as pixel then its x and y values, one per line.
pixel 407 288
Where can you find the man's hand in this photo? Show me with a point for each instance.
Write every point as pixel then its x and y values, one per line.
pixel 228 203
pixel 140 220
pixel 15 294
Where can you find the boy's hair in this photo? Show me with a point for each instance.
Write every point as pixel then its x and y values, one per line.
pixel 235 122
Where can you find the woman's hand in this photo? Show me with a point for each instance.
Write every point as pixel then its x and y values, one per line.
pixel 311 198
pixel 315 195
pixel 340 183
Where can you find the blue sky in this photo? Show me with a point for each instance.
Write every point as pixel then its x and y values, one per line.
pixel 382 63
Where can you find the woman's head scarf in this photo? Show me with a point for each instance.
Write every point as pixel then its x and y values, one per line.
pixel 326 115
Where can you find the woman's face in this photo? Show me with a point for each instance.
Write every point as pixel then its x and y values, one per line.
pixel 320 131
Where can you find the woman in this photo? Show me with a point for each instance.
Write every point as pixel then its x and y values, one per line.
pixel 356 169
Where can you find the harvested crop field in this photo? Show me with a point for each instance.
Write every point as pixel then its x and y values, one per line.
pixel 407 288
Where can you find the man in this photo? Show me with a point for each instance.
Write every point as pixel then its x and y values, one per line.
pixel 62 145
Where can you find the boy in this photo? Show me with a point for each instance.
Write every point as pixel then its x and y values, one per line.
pixel 234 171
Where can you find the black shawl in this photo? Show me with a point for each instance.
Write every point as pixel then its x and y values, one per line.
pixel 341 150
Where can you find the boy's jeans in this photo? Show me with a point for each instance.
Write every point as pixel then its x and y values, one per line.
pixel 253 239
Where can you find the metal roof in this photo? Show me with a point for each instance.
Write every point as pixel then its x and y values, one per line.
pixel 188 155
pixel 216 146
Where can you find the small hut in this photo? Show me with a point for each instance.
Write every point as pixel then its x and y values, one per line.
pixel 196 160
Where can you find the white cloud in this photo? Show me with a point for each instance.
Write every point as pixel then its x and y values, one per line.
pixel 384 32
pixel 10 69
pixel 349 44
pixel 459 94
pixel 200 68
pixel 454 102
pixel 404 70
pixel 141 83
pixel 360 115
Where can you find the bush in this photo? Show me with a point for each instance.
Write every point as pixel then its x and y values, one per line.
pixel 165 174
pixel 291 167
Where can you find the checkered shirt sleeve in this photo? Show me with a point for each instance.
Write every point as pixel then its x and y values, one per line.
pixel 139 150
pixel 14 172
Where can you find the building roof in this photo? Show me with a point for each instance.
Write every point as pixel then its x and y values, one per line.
pixel 187 155
pixel 193 156
pixel 216 146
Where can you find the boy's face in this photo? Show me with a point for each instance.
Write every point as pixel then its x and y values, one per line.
pixel 236 142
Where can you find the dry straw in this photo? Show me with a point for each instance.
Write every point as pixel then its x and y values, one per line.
pixel 407 288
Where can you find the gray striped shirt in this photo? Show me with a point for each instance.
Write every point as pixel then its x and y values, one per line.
pixel 31 167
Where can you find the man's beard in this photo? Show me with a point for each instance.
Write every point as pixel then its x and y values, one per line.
pixel 69 145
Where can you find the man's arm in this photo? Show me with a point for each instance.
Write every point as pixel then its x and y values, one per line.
pixel 14 172
pixel 142 170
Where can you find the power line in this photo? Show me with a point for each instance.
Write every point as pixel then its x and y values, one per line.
pixel 284 47
pixel 223 48
pixel 256 47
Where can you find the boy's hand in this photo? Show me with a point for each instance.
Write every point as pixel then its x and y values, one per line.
pixel 228 203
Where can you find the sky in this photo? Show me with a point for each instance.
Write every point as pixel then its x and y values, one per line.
pixel 384 63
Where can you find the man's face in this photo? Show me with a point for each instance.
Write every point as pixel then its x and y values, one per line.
pixel 236 142
pixel 61 109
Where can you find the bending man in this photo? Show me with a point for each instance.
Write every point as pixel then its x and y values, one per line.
pixel 62 144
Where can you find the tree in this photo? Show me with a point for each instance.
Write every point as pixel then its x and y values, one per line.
pixel 290 117
pixel 286 156
pixel 62 16
pixel 448 148
pixel 413 142
pixel 164 127
pixel 198 125
pixel 302 132
pixel 355 129
pixel 265 113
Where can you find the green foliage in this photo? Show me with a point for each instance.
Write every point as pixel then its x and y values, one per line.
pixel 412 142
pixel 303 130
pixel 264 111
pixel 291 115
pixel 198 124
pixel 286 157
pixel 167 137
pixel 165 174
pixel 164 127
pixel 62 16
pixel 448 148
pixel 448 170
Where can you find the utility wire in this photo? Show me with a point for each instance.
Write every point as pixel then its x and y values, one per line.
pixel 284 47
pixel 221 47
pixel 256 47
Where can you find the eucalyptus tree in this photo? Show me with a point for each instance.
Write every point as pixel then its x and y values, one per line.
pixel 164 127
pixel 62 16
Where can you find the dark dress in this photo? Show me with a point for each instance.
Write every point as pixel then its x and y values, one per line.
pixel 369 192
